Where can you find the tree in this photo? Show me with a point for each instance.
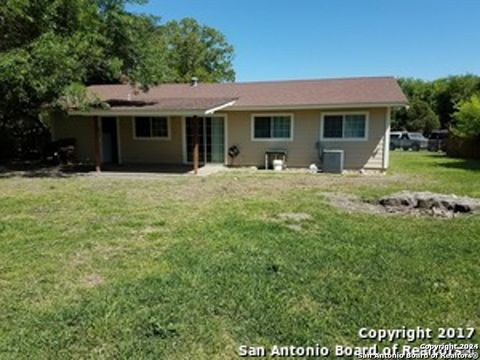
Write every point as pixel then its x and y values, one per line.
pixel 417 89
pixel 48 45
pixel 419 116
pixel 442 95
pixel 197 50
pixel 467 117
pixel 451 91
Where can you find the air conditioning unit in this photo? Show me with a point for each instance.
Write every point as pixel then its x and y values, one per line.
pixel 332 161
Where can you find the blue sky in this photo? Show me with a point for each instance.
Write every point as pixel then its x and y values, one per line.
pixel 299 39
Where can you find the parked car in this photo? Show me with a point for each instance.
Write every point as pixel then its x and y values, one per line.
pixel 437 141
pixel 407 140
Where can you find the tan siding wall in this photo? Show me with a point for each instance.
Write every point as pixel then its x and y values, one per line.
pixel 364 154
pixel 132 151
pixel 80 128
pixel 302 151
pixel 151 151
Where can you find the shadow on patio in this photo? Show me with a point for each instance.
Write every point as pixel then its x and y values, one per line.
pixel 147 168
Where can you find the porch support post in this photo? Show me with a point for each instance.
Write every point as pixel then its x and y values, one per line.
pixel 195 145
pixel 96 143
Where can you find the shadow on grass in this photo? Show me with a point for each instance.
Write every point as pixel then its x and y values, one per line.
pixel 455 163
pixel 462 164
pixel 39 170
pixel 459 163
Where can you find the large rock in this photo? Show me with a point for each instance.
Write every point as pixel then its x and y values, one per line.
pixel 401 199
pixel 429 201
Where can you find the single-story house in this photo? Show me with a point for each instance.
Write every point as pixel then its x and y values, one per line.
pixel 198 123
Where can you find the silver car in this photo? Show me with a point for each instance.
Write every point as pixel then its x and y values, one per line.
pixel 407 140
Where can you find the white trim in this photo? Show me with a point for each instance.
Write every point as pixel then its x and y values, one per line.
pixel 343 113
pixel 152 138
pixel 119 147
pixel 252 126
pixel 220 107
pixel 184 137
pixel 386 140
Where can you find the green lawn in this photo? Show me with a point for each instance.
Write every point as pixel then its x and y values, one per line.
pixel 191 268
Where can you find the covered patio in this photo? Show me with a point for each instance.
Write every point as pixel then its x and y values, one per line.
pixel 191 111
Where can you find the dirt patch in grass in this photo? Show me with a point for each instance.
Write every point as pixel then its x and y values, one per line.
pixel 92 280
pixel 351 203
pixel 295 216
pixel 294 227
pixel 293 220
pixel 407 203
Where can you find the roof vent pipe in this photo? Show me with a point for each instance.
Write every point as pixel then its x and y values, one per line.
pixel 194 82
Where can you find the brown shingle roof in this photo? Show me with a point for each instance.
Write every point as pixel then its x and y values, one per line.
pixel 257 95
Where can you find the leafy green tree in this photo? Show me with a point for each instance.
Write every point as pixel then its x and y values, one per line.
pixel 48 45
pixel 442 95
pixel 197 50
pixel 467 117
pixel 419 116
pixel 418 89
pixel 451 91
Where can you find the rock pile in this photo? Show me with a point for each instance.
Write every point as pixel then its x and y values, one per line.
pixel 427 202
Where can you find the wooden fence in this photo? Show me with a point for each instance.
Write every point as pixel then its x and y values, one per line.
pixel 463 147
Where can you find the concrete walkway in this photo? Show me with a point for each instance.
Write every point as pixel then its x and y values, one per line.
pixel 210 169
pixel 140 173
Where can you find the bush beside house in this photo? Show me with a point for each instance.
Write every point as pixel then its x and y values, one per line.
pixel 465 138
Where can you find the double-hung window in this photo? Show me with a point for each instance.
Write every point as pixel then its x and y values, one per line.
pixel 272 127
pixel 146 127
pixel 349 126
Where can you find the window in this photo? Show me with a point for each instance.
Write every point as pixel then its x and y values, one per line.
pixel 345 126
pixel 272 127
pixel 151 128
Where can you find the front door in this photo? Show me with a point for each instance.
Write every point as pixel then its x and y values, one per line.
pixel 211 139
pixel 109 140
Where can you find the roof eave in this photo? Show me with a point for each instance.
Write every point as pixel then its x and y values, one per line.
pixel 316 106
pixel 151 112
pixel 138 112
pixel 231 107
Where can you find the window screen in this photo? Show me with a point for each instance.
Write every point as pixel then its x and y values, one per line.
pixel 354 126
pixel 272 127
pixel 348 126
pixel 332 126
pixel 142 127
pixel 262 127
pixel 151 127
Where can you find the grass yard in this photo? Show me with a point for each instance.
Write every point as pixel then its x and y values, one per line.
pixel 191 268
